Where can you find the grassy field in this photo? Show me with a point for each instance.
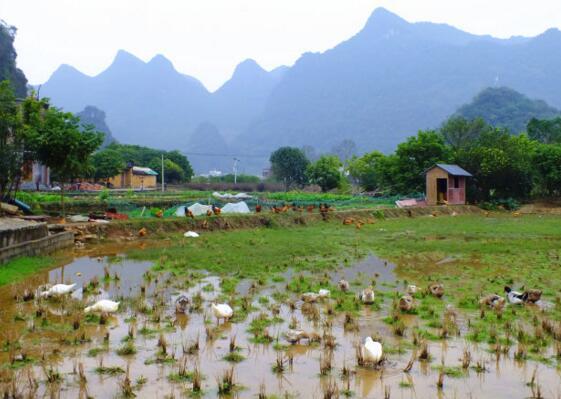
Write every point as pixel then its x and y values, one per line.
pixel 471 255
pixel 480 254
pixel 18 269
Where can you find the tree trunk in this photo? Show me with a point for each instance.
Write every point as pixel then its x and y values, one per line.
pixel 62 199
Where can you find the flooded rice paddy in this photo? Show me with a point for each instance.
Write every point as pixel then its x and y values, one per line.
pixel 51 348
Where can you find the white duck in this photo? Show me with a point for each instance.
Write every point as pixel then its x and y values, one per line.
pixel 412 289
pixel 323 293
pixel 103 306
pixel 367 296
pixel 372 351
pixel 222 311
pixel 310 297
pixel 191 234
pixel 294 336
pixel 58 290
pixel 515 297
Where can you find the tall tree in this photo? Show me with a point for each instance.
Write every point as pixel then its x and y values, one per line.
pixel 11 140
pixel 414 156
pixel 107 163
pixel 459 132
pixel 547 161
pixel 545 131
pixel 288 165
pixel 365 170
pixel 326 172
pixel 64 146
pixel 502 165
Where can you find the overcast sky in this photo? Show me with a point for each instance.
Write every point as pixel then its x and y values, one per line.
pixel 208 38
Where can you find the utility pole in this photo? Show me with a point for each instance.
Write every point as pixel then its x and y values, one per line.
pixel 163 178
pixel 236 160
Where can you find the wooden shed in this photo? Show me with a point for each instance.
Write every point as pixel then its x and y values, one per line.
pixel 446 184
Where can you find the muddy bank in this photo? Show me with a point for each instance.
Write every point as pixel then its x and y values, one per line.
pixel 129 229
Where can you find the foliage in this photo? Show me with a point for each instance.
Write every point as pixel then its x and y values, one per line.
pixel 545 131
pixel 8 69
pixel 11 140
pixel 547 161
pixel 509 204
pixel 325 172
pixel 459 133
pixel 501 165
pixel 107 163
pixel 172 171
pixel 404 172
pixel 144 156
pixel 364 170
pixel 506 108
pixel 288 165
pixel 61 144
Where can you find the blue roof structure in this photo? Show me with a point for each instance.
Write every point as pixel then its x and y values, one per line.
pixel 453 170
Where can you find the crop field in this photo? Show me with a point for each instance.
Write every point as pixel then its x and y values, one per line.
pixel 448 345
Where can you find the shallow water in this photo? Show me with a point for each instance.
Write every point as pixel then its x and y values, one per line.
pixel 50 341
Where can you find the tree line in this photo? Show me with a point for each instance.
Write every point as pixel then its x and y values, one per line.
pixel 503 165
pixel 32 130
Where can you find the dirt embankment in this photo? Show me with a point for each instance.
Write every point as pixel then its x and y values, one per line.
pixel 128 230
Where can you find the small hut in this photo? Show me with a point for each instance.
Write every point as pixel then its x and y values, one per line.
pixel 446 184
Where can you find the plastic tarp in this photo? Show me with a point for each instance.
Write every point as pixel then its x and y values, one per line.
pixel 198 209
pixel 180 211
pixel 239 207
pixel 224 196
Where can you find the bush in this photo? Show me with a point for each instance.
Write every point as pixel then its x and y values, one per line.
pixel 509 204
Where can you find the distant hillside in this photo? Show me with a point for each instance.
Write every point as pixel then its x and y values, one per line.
pixel 504 107
pixel 378 87
pixel 394 78
pixel 8 69
pixel 96 117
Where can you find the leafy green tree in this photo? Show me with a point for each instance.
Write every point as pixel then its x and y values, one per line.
pixel 181 160
pixel 62 144
pixel 288 165
pixel 545 131
pixel 173 173
pixel 107 163
pixel 459 132
pixel 144 156
pixel 547 161
pixel 326 172
pixel 365 170
pixel 11 140
pixel 501 165
pixel 413 157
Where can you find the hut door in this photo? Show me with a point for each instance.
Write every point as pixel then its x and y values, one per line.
pixel 441 190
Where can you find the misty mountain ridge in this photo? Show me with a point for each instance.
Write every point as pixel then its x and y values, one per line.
pixel 378 87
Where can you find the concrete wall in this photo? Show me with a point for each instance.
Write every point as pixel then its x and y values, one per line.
pixel 15 232
pixel 41 246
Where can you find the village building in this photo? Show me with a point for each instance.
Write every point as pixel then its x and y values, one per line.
pixel 134 177
pixel 446 185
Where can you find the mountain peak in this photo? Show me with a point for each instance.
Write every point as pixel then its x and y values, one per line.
pixel 382 18
pixel 161 61
pixel 383 23
pixel 126 59
pixel 248 66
